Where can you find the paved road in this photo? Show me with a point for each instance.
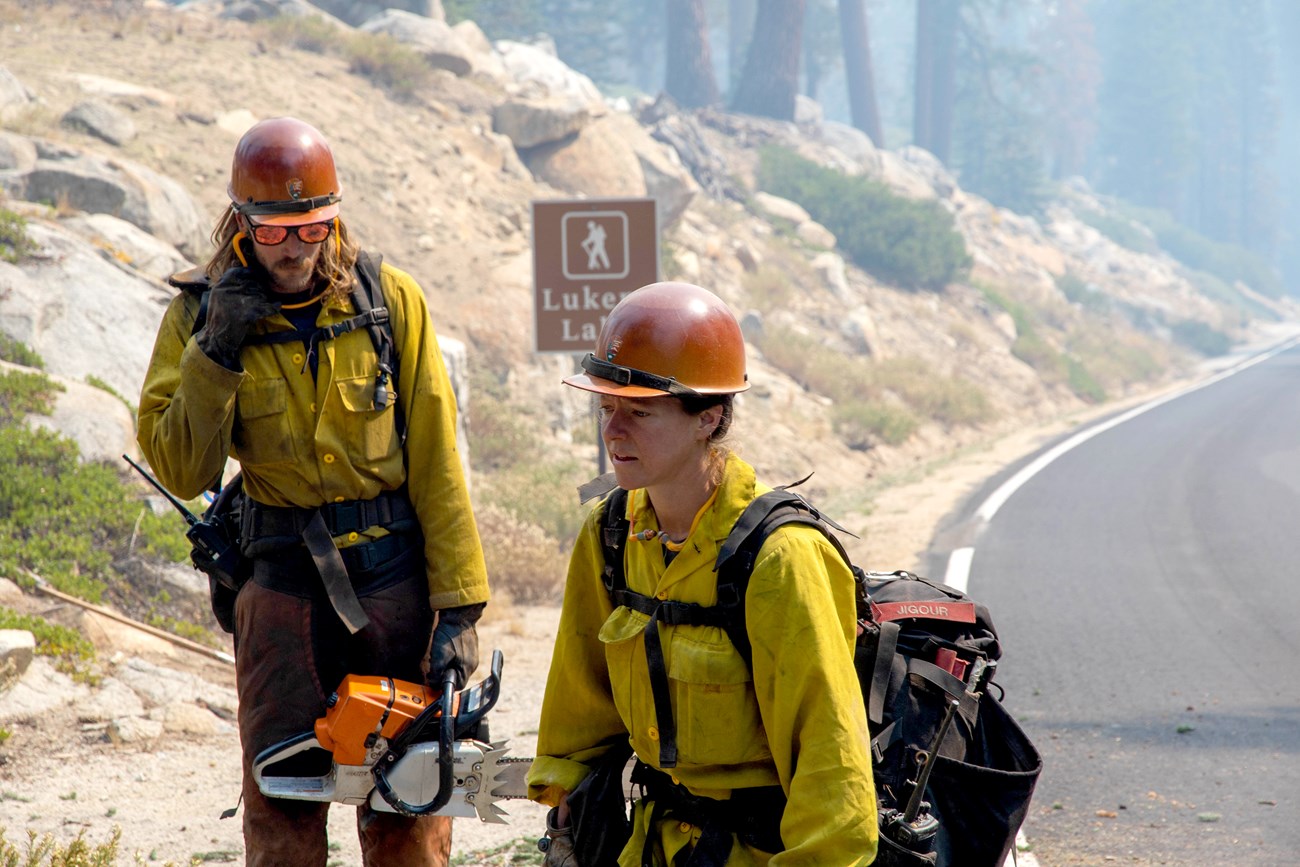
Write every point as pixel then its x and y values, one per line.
pixel 1146 584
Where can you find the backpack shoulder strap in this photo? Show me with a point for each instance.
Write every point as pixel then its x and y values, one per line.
pixel 614 528
pixel 368 299
pixel 739 554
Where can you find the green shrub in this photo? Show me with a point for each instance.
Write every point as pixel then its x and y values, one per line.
pixel 875 401
pixel 22 393
pixel 500 437
pixel 864 424
pixel 1226 261
pixel 387 62
pixel 1078 291
pixel 391 64
pixel 307 32
pixel 96 382
pixel 1020 314
pixel 909 243
pixel 1033 350
pixel 66 520
pixel 1247 306
pixel 1122 231
pixel 45 852
pixel 1202 338
pixel 15 245
pixel 17 352
pixel 769 288
pixel 69 649
pixel 1082 382
pixel 944 399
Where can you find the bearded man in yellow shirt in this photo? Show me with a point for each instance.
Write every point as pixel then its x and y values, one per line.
pixel 356 513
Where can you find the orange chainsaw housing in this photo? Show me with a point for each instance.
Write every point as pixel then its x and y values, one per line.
pixel 363 709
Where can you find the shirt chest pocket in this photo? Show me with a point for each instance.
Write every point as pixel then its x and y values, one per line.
pixel 263 433
pixel 369 431
pixel 718 721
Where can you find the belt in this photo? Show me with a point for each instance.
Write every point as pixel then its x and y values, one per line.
pixel 752 814
pixel 267 529
pixel 391 509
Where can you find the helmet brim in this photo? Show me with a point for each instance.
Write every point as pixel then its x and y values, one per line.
pixel 301 218
pixel 586 382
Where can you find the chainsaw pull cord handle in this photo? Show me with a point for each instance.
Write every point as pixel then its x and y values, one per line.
pixel 446 757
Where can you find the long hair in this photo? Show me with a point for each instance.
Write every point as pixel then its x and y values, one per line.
pixel 333 266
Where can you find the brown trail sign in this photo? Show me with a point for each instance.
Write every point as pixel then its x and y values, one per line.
pixel 587 255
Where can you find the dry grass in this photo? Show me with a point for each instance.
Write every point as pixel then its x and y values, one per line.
pixel 523 561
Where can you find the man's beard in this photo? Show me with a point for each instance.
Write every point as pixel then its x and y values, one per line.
pixel 293 275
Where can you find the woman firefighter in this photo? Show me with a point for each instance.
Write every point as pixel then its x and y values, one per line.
pixel 758 761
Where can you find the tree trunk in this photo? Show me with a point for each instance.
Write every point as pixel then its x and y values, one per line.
pixel 936 41
pixel 770 82
pixel 740 28
pixel 689 77
pixel 858 69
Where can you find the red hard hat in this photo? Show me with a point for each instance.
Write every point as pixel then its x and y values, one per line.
pixel 283 174
pixel 666 338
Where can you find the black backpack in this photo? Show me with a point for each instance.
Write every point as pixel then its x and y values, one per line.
pixel 923 648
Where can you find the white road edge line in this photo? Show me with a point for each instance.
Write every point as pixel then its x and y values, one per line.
pixel 957 575
pixel 959 561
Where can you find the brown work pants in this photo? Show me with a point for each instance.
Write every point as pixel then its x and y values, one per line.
pixel 291 652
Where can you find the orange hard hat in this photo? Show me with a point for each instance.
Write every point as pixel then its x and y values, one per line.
pixel 283 174
pixel 666 338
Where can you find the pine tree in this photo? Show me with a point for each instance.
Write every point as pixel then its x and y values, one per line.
pixel 770 81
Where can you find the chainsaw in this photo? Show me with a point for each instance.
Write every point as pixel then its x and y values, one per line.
pixel 402 747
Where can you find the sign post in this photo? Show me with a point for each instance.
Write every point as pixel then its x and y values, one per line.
pixel 587 255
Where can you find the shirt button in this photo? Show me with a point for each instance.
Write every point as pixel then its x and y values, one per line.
pixel 297 358
pixel 352 537
pixel 684 827
pixel 329 459
pixel 676 782
pixel 313 409
pixel 662 594
pixel 338 499
pixel 653 733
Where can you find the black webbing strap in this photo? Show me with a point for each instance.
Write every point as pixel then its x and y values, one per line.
pixel 329 563
pixel 739 554
pixel 614 534
pixel 887 645
pixel 734 565
pixel 752 814
pixel 369 299
pixel 386 510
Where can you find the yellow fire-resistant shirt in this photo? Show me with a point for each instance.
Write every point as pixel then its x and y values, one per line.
pixel 798 721
pixel 304 443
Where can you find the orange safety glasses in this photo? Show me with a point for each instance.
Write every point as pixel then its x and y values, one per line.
pixel 311 233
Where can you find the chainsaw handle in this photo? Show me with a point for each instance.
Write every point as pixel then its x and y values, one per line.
pixel 446 758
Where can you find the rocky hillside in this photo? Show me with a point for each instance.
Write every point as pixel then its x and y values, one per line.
pixel 117 120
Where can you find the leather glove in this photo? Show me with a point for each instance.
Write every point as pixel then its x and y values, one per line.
pixel 237 300
pixel 558 843
pixel 454 647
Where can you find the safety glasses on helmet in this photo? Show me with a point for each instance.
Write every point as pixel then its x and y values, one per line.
pixel 311 233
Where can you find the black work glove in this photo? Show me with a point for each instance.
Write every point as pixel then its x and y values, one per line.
pixel 558 842
pixel 453 650
pixel 237 300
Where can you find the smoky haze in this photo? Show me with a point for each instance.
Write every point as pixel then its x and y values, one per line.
pixel 1180 111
